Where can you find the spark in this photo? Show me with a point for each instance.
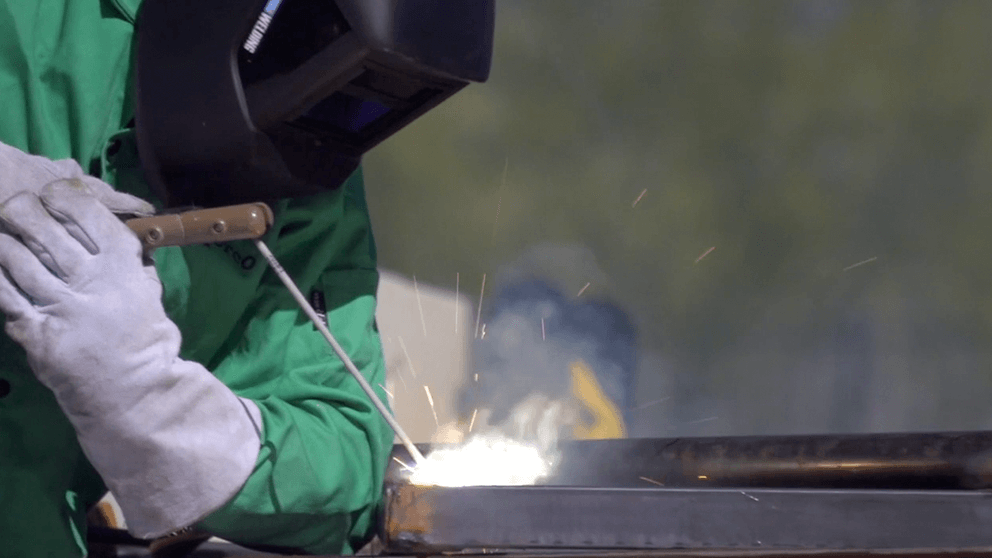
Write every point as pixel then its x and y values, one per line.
pixel 652 481
pixel 500 202
pixel 650 403
pixel 404 465
pixel 707 419
pixel 583 289
pixel 416 289
pixel 483 334
pixel 398 369
pixel 706 253
pixel 389 393
pixel 704 477
pixel 457 278
pixel 431 401
pixel 644 191
pixel 543 338
pixel 408 359
pixel 476 376
pixel 472 422
pixel 478 316
pixel 749 496
pixel 869 260
pixel 406 388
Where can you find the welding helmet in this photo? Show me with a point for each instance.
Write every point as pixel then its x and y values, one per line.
pixel 254 100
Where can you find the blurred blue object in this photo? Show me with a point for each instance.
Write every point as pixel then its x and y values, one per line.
pixel 533 336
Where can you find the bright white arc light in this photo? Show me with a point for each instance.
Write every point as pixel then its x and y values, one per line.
pixel 487 460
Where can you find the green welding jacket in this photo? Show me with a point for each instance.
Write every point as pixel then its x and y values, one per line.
pixel 65 77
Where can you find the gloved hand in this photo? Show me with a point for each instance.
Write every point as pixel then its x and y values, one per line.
pixel 170 440
pixel 29 173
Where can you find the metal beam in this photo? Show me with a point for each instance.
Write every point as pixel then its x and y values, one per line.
pixel 983 552
pixel 427 520
pixel 907 461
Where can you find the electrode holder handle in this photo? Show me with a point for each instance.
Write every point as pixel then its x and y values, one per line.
pixel 203 226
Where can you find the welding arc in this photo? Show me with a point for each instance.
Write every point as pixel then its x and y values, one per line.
pixel 319 324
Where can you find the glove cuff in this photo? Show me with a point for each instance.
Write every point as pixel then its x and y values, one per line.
pixel 177 453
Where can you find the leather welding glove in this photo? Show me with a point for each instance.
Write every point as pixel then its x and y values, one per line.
pixel 171 441
pixel 21 172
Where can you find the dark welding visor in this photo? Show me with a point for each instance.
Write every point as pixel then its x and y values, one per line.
pixel 248 100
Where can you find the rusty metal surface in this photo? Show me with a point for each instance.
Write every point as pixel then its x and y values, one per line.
pixel 430 520
pixel 226 551
pixel 944 460
pixel 983 552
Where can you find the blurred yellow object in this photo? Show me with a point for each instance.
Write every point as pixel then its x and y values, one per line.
pixel 607 421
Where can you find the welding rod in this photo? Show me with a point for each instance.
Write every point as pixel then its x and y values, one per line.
pixel 312 314
pixel 250 221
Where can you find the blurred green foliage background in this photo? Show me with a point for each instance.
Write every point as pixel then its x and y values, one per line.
pixel 796 138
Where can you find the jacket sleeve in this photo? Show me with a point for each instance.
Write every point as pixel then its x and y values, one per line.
pixel 317 483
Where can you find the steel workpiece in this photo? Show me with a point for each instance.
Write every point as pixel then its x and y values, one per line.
pixel 753 495
pixel 430 520
pixel 940 460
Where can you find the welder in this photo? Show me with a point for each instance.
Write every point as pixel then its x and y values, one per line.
pixel 186 381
